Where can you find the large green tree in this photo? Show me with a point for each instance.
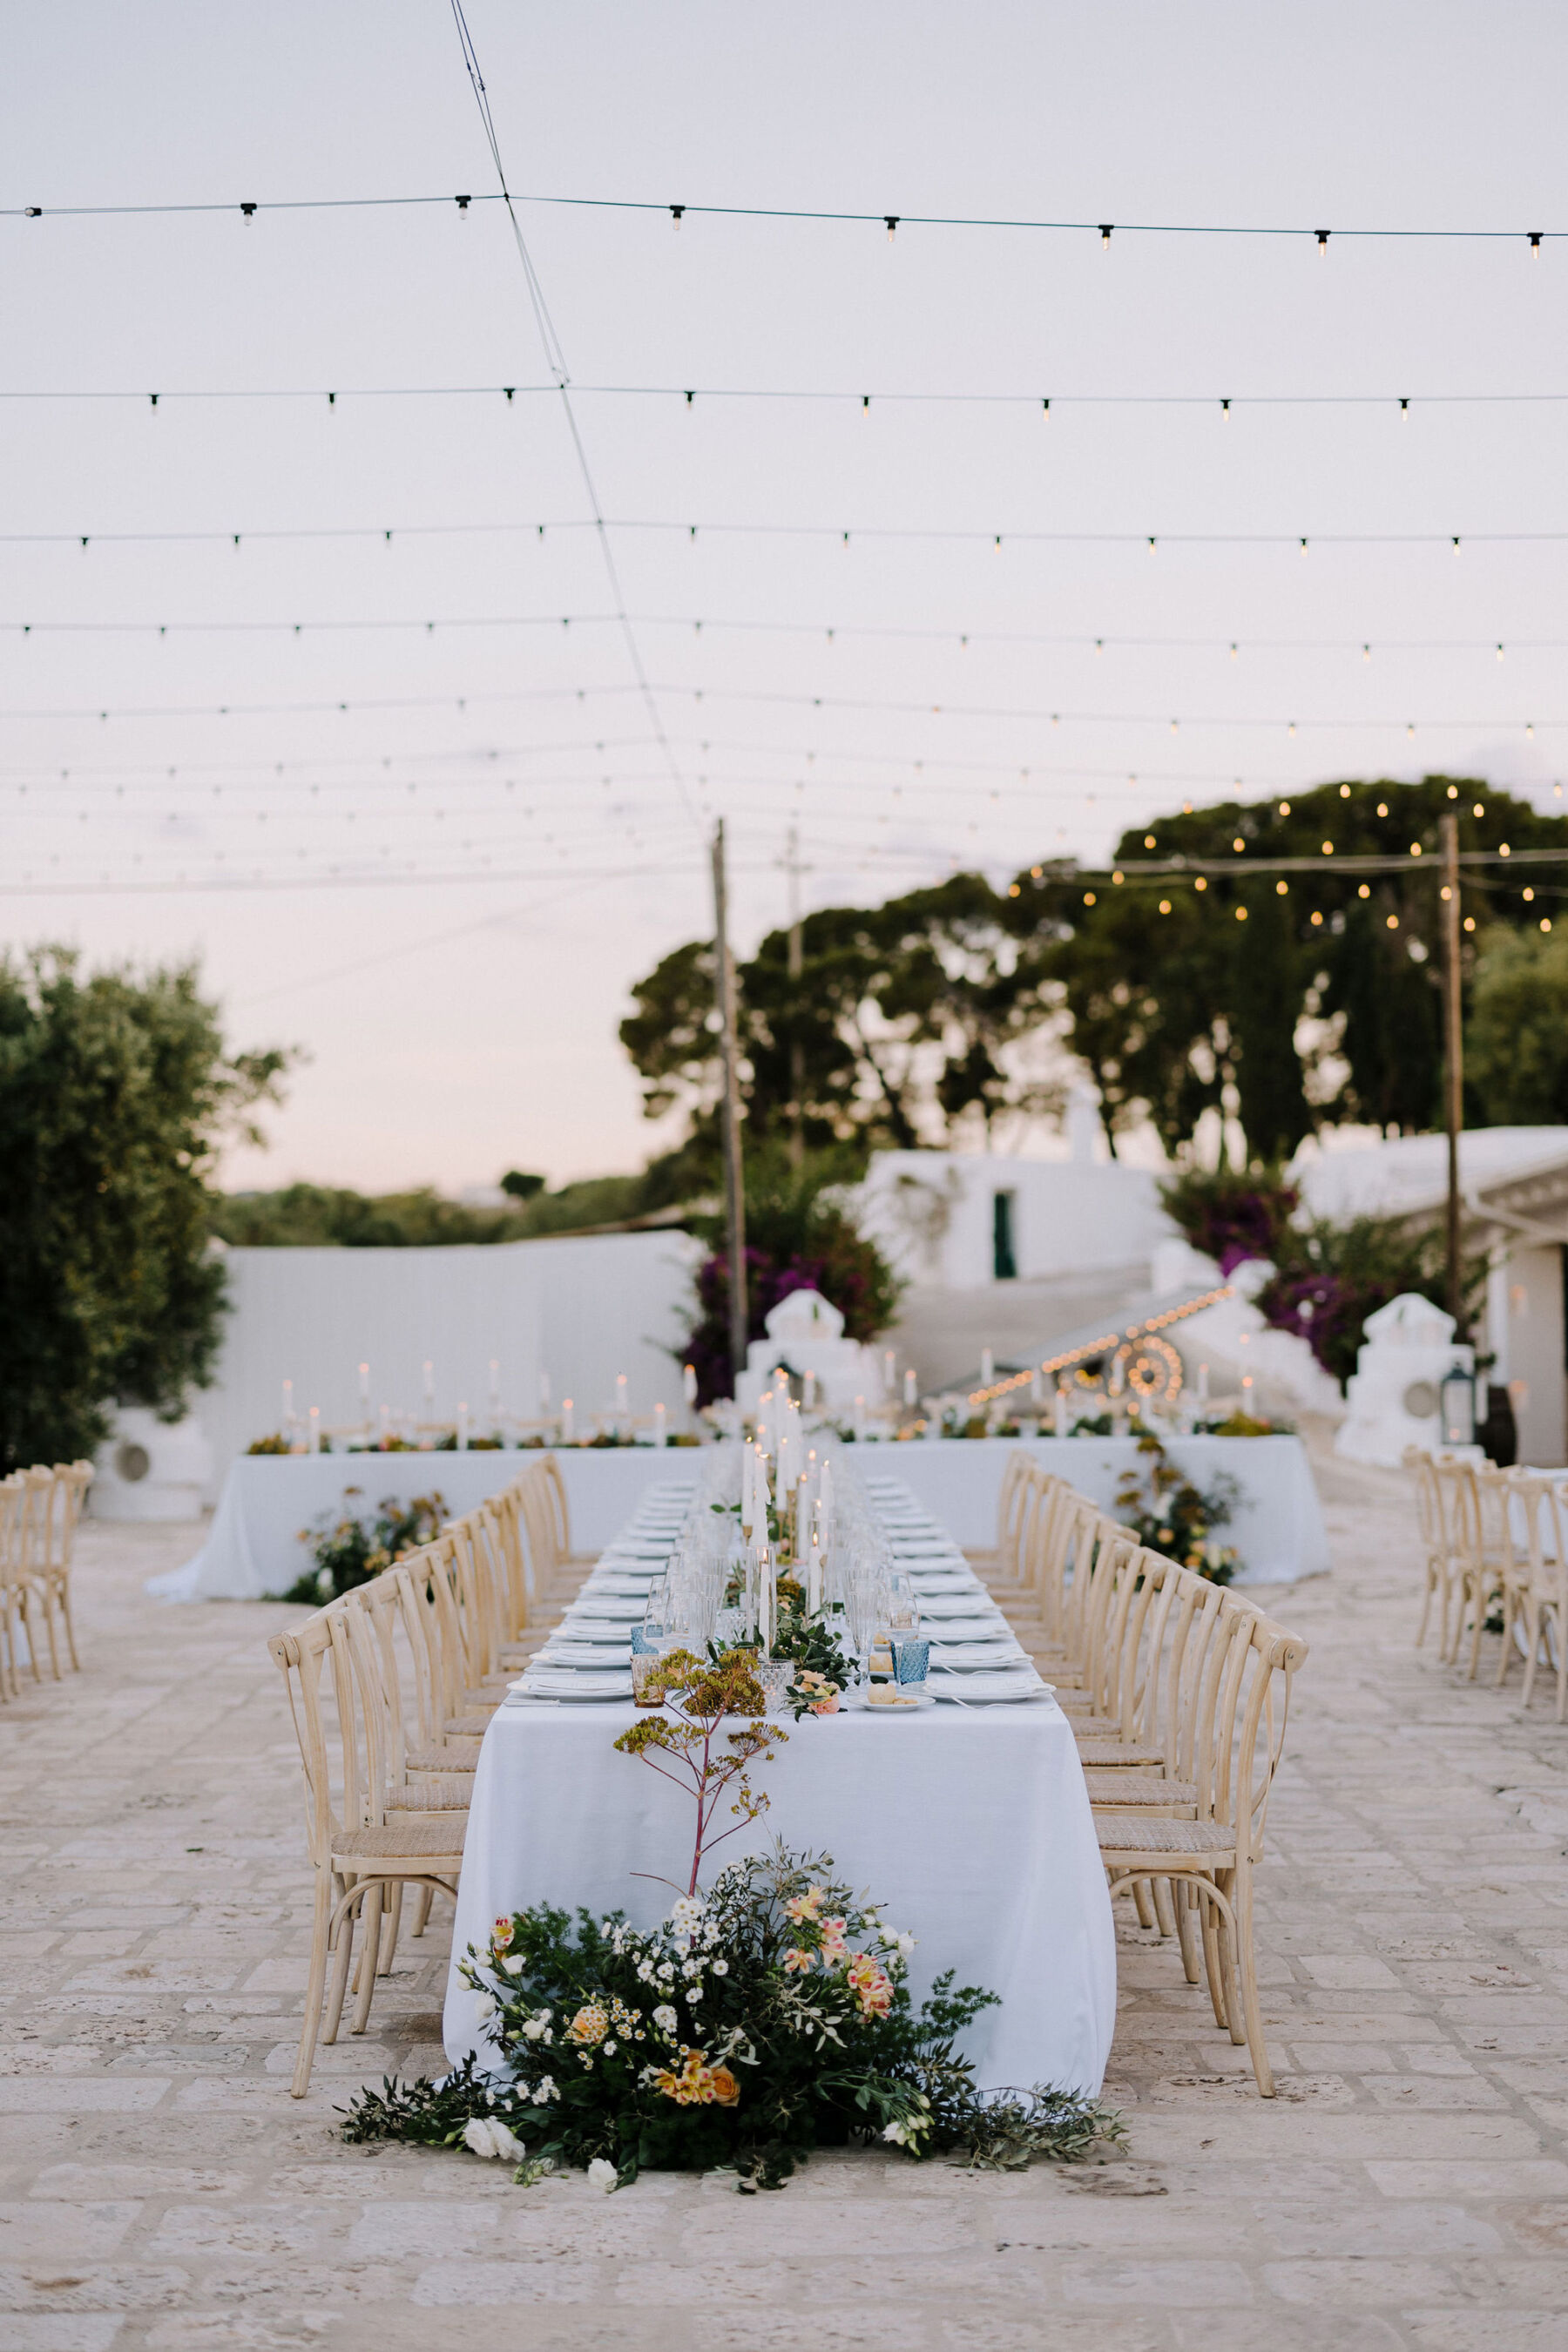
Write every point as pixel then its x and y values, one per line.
pixel 1289 1008
pixel 115 1091
pixel 901 1022
pixel 1516 1041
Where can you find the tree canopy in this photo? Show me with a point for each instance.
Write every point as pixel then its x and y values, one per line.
pixel 904 1016
pixel 1283 1001
pixel 115 1091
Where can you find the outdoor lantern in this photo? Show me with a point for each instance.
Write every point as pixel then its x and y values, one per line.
pixel 1459 1398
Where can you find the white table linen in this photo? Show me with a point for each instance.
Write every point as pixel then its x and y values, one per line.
pixel 1277 1525
pixel 970 1826
pixel 253 1548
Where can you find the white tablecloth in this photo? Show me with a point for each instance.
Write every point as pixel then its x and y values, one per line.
pixel 971 1826
pixel 1276 1525
pixel 253 1545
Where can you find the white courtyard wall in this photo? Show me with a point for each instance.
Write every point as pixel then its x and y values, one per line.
pixel 932 1212
pixel 581 1311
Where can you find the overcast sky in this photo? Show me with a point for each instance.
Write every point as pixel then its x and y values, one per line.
pixel 450 885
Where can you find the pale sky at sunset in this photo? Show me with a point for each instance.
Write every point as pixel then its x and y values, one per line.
pixel 460 1015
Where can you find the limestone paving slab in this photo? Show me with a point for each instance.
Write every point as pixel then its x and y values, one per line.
pixel 161 2192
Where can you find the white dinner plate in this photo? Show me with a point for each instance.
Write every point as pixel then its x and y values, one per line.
pixel 860 1705
pixel 968 1630
pixel 972 1657
pixel 602 1631
pixel 596 1654
pixel 987 1690
pixel 564 1683
pixel 949 1581
pixel 621 1610
pixel 967 1603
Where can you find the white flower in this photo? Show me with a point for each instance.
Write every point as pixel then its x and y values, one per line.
pixel 602 2174
pixel 517 1964
pixel 534 2028
pixel 691 1967
pixel 664 2016
pixel 609 2049
pixel 686 1911
pixel 645 1971
pixel 666 1970
pixel 544 2090
pixel 894 2132
pixel 487 2138
pixel 719 1967
pixel 484 2007
pixel 694 1995
pixel 905 1942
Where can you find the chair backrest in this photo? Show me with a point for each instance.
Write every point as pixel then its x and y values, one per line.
pixel 1019 1479
pixel 1491 1534
pixel 37 1514
pixel 1535 1515
pixel 74 1479
pixel 549 1472
pixel 313 1666
pixel 1262 1660
pixel 541 1524
pixel 12 1499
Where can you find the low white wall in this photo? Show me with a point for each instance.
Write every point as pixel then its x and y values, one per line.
pixel 932 1212
pixel 581 1310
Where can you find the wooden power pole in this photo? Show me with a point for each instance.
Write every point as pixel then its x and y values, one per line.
pixel 735 1187
pixel 1453 1059
pixel 796 1044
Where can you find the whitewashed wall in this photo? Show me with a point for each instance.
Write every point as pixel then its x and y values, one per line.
pixel 581 1310
pixel 931 1211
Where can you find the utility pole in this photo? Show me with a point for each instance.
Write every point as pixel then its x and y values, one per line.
pixel 1452 1058
pixel 734 1188
pixel 797 967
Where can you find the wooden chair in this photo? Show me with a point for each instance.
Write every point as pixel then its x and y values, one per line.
pixel 358 1851
pixel 1441 1501
pixel 72 1480
pixel 13 1583
pixel 1481 1506
pixel 1243 1708
pixel 1532 1582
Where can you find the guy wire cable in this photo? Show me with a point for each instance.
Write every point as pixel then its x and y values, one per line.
pixel 555 359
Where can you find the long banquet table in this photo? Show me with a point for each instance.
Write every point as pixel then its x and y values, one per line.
pixel 253 1545
pixel 969 1823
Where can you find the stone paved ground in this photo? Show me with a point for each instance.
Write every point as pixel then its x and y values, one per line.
pixel 158 2188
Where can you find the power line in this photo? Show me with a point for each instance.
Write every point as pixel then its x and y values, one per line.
pixel 1223 404
pixel 981 535
pixel 890 222
pixel 829 702
pixel 556 359
pixel 831 631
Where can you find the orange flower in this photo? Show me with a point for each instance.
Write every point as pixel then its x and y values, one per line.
pixel 696 2084
pixel 591 2023
pixel 796 1961
pixel 872 1988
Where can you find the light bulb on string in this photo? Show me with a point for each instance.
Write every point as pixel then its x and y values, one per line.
pixel 892 221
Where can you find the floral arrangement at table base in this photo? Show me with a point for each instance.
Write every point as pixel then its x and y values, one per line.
pixel 1177 1518
pixel 346 1550
pixel 768 2017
